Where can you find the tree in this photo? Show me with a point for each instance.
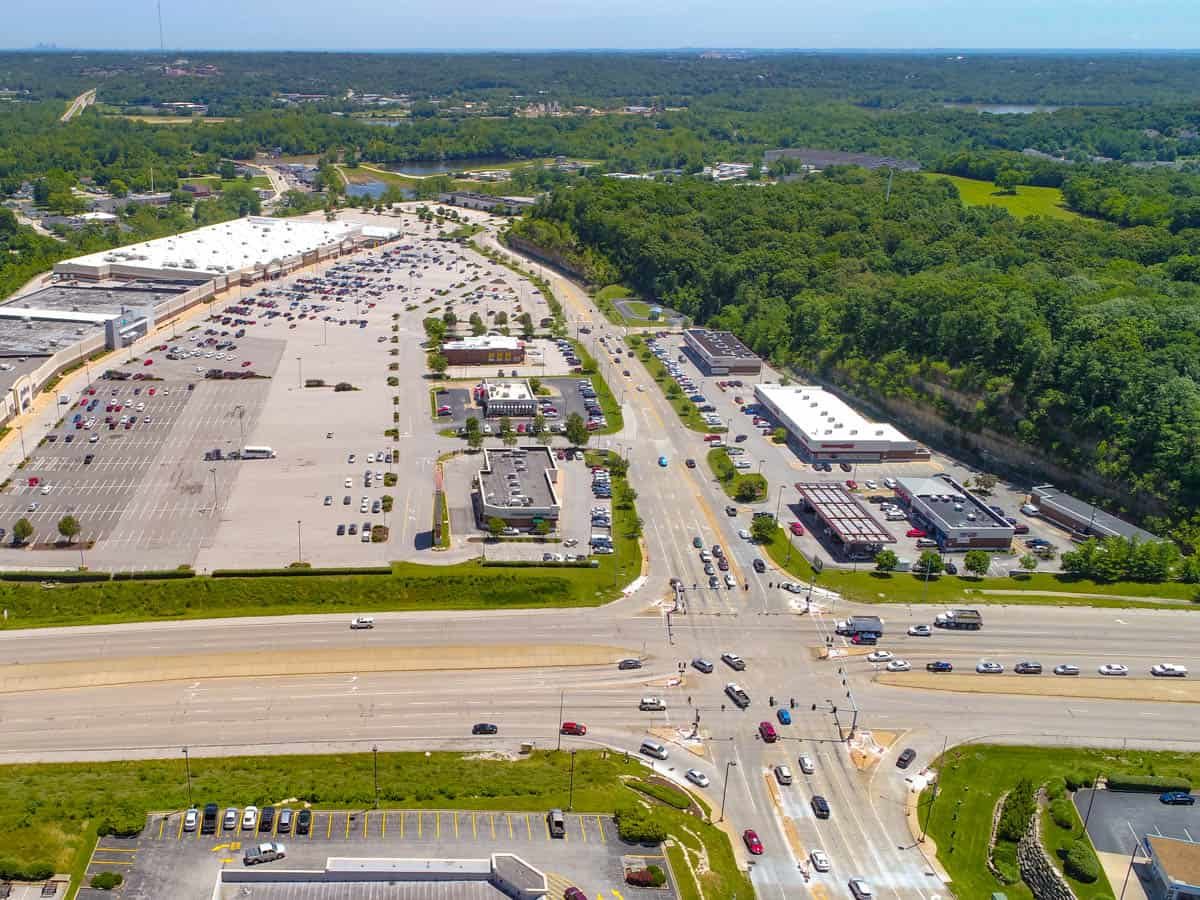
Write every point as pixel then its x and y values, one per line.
pixel 1007 180
pixel 746 490
pixel 542 527
pixel 535 385
pixel 507 436
pixel 576 430
pixel 496 526
pixel 635 528
pixel 930 561
pixel 22 531
pixel 885 561
pixel 474 433
pixel 762 529
pixel 449 318
pixel 501 318
pixel 779 436
pixel 985 483
pixel 226 170
pixel 435 329
pixel 977 562
pixel 438 364
pixel 1028 562
pixel 68 527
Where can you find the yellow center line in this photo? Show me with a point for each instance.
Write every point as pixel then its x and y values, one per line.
pixel 420 822
pixel 473 832
pixel 328 826
pixel 366 819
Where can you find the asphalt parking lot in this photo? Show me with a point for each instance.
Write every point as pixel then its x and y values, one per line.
pixel 1119 818
pixel 165 861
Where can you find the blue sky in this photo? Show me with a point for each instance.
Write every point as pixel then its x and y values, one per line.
pixel 623 24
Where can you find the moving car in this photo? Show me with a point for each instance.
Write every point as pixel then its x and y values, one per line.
pixel 819 860
pixel 264 852
pixel 733 661
pixel 576 728
pixel 691 463
pixel 1113 669
pixel 783 775
pixel 898 665
pixel 698 778
pixel 753 844
pixel 362 622
pixel 877 656
pixel 702 665
pixel 988 667
pixel 806 764
pixel 662 461
pixel 820 806
pixel 796 528
pixel 1028 667
pixel 919 631
pixel 767 732
pixel 939 666
pixel 904 760
pixel 484 728
pixel 784 717
pixel 629 664
pixel 860 889
pixel 1066 669
pixel 1168 670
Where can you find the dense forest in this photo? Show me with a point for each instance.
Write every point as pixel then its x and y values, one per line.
pixel 239 82
pixel 1079 338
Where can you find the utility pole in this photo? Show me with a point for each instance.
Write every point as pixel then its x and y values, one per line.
pixel 730 764
pixel 299 372
pixel 1132 856
pixel 299 547
pixel 562 699
pixel 187 767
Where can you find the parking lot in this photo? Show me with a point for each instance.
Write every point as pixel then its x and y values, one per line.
pixel 166 861
pixel 1119 818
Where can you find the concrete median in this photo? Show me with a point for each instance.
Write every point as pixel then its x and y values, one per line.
pixel 151 669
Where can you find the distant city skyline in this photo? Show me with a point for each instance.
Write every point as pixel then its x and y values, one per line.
pixel 379 25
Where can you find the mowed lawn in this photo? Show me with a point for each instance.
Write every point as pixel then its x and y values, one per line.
pixel 1027 201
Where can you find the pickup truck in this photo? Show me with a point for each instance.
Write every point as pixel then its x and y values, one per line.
pixel 735 693
pixel 265 852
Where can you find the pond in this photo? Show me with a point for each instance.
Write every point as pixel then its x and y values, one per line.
pixel 446 166
pixel 1002 109
pixel 375 189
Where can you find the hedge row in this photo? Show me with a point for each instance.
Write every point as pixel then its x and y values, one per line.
pixel 163 575
pixel 1149 783
pixel 287 573
pixel 531 563
pixel 55 576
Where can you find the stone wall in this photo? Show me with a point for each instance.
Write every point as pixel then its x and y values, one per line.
pixel 996 810
pixel 1037 871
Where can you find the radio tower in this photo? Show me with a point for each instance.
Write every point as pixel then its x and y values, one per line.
pixel 162 47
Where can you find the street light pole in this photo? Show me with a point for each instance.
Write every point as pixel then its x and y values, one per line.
pixel 299 548
pixel 187 767
pixel 933 799
pixel 21 435
pixel 571 792
pixel 375 766
pixel 562 699
pixel 299 372
pixel 730 764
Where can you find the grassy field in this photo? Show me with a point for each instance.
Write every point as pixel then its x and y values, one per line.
pixel 868 586
pixel 177 120
pixel 974 776
pixel 604 298
pixel 50 814
pixel 732 479
pixel 1027 201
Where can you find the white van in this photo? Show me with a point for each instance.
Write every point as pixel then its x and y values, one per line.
pixel 653 704
pixel 653 748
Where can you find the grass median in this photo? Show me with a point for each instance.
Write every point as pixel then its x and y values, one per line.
pixel 51 814
pixel 687 411
pixel 974 776
pixel 743 487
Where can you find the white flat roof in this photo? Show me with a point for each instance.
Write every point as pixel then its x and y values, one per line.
pixel 508 390
pixel 485 342
pixel 224 247
pixel 823 417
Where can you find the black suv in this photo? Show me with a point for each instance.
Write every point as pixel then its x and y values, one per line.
pixel 303 821
pixel 484 728
pixel 266 821
pixel 702 665
pixel 904 760
pixel 759 565
pixel 820 806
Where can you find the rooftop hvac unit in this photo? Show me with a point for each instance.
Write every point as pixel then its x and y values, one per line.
pixel 879 432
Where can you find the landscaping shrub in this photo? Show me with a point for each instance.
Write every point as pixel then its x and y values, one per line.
pixel 11 870
pixel 1080 862
pixel 154 576
pixel 269 573
pixel 652 876
pixel 55 576
pixel 1019 807
pixel 1077 780
pixel 343 386
pixel 1150 783
pixel 668 795
pixel 1056 788
pixel 106 881
pixel 638 825
pixel 1004 858
pixel 1060 812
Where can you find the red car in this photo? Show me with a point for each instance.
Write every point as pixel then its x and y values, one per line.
pixel 753 844
pixel 767 731
pixel 574 893
pixel 246 363
pixel 148 362
pixel 576 728
pixel 852 484
pixel 915 532
pixel 151 392
pixel 33 482
pixel 797 528
pixel 709 438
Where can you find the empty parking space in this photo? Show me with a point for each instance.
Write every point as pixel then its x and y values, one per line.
pixel 1118 819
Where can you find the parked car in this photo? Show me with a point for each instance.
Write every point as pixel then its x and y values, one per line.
pixel 904 760
pixel 1177 798
pixel 698 778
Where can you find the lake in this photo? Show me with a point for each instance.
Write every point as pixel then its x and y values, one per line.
pixel 375 189
pixel 447 166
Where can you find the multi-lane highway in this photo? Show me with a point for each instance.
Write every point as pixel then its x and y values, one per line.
pixel 216 712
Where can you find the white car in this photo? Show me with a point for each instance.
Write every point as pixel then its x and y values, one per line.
pixel 698 778
pixel 1169 670
pixel 879 656
pixel 190 818
pixel 870 485
pixel 362 622
pixel 806 764
pixel 987 667
pixel 250 818
pixel 919 631
pixel 898 665
pixel 1113 669
pixel 744 534
pixel 349 482
pixel 820 861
